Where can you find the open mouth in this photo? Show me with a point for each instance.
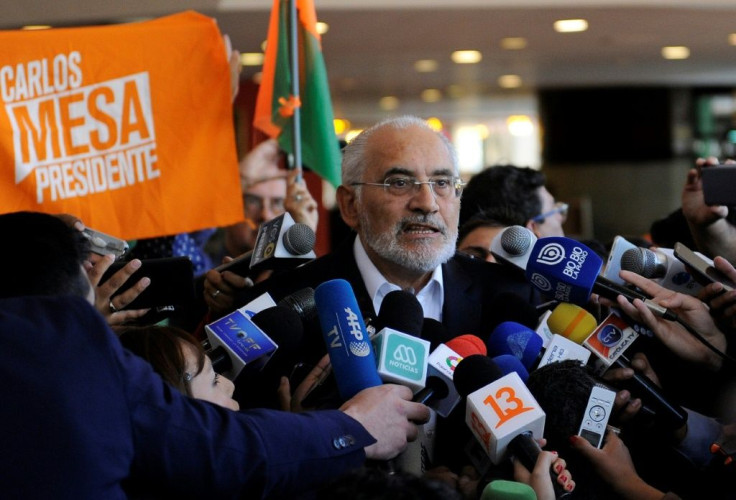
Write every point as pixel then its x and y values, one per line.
pixel 419 228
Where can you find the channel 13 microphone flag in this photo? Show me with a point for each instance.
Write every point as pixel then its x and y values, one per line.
pixel 275 103
pixel 129 127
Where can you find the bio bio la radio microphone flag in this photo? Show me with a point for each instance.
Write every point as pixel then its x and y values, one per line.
pixel 275 103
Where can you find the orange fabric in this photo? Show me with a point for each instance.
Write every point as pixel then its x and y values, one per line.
pixel 128 127
pixel 262 118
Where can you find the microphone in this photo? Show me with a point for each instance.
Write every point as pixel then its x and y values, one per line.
pixel 280 244
pixel 570 271
pixel 662 266
pixel 401 356
pixel 608 341
pixel 346 338
pixel 501 412
pixel 440 393
pixel 301 302
pixel 526 345
pixel 613 261
pixel 512 246
pixel 257 387
pixel 400 310
pixel 500 489
pixel 237 341
pixel 435 332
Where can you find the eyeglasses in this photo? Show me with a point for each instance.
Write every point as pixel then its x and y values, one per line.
pixel 560 208
pixel 254 203
pixel 402 185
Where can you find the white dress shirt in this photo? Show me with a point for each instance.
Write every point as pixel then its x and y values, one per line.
pixel 431 296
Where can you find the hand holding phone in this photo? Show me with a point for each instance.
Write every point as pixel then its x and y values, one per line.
pixel 702 271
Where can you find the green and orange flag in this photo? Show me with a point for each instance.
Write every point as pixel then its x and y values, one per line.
pixel 275 104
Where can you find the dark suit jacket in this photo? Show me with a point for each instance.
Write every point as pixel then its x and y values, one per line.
pixel 80 415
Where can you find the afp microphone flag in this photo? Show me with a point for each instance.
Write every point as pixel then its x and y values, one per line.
pixel 275 103
pixel 128 127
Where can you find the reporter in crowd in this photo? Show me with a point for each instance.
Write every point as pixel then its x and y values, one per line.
pixel 128 425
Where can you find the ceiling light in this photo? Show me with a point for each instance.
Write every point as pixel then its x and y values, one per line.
pixel 513 43
pixel 455 91
pixel 341 126
pixel 264 43
pixel 257 77
pixel 322 28
pixel 520 125
pixel 435 124
pixel 732 38
pixel 675 52
pixel 251 58
pixel 571 25
pixel 389 103
pixel 425 66
pixel 466 56
pixel 431 95
pixel 33 27
pixel 509 81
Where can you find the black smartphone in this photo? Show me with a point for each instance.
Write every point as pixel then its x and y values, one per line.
pixel 702 271
pixel 172 282
pixel 719 185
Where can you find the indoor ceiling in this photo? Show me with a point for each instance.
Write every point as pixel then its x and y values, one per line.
pixel 372 45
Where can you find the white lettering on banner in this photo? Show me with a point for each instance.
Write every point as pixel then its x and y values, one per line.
pixel 79 140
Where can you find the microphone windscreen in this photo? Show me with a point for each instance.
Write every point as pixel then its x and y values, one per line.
pixel 346 338
pixel 500 489
pixel 507 306
pixel 401 311
pixel 467 345
pixel 508 363
pixel 299 239
pixel 474 372
pixel 515 339
pixel 435 332
pixel 572 322
pixel 302 302
pixel 562 390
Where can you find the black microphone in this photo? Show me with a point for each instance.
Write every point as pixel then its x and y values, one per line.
pixel 256 386
pixel 280 244
pixel 400 310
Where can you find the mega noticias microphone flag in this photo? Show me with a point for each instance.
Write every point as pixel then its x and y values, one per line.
pixel 278 104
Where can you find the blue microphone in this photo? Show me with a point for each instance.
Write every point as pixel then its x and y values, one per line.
pixel 347 340
pixel 509 363
pixel 518 340
pixel 570 271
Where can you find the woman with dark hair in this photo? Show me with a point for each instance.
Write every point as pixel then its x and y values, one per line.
pixel 180 360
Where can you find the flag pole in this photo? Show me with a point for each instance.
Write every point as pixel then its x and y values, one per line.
pixel 296 159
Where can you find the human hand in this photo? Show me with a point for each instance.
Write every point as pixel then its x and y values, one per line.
pixel 289 401
pixel 233 59
pixel 388 414
pixel 722 303
pixel 614 465
pixel 220 288
pixel 299 201
pixel 110 308
pixel 694 208
pixel 672 334
pixel 539 478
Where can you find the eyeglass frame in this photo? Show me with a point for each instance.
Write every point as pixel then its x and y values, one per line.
pixel 560 208
pixel 457 183
pixel 250 205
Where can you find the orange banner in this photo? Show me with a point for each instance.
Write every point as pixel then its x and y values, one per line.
pixel 128 127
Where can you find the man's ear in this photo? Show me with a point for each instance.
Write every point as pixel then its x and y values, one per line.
pixel 347 201
pixel 532 226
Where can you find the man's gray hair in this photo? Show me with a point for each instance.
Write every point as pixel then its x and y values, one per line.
pixel 354 160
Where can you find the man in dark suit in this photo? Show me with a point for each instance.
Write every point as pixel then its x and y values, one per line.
pixel 400 193
pixel 84 415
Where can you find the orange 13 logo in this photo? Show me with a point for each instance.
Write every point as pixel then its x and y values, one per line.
pixel 512 405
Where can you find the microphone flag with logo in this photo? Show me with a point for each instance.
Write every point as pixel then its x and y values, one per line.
pixel 563 268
